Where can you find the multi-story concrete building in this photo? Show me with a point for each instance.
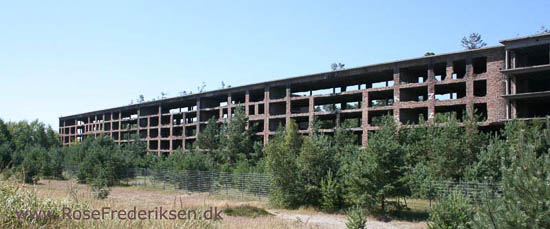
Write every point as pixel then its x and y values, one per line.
pixel 510 81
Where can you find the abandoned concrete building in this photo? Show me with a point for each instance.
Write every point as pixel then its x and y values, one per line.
pixel 509 81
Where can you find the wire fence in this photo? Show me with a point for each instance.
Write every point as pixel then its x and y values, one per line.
pixel 249 185
pixel 476 192
pixel 258 186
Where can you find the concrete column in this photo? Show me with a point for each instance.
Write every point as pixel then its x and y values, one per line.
pixel 199 116
pixel 94 128
pixel 469 86
pixel 110 125
pixel 266 116
pixel 431 93
pixel 513 88
pixel 229 105
pixel 396 94
pixel 364 118
pixel 513 59
pixel 246 102
pixel 183 133
pixel 159 115
pixel 148 137
pixel 513 112
pixel 138 121
pixel 311 114
pixel 119 126
pixel 64 134
pixel 287 102
pixel 171 131
pixel 450 70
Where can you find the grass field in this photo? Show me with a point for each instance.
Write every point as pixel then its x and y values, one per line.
pixel 141 197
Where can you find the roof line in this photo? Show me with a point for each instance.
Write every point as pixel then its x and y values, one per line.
pixel 285 79
pixel 525 37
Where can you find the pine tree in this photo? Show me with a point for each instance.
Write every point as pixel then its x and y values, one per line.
pixel 314 162
pixel 378 172
pixel 525 199
pixel 209 138
pixel 237 144
pixel 281 164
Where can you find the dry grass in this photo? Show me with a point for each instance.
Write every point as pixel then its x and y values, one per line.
pixel 147 198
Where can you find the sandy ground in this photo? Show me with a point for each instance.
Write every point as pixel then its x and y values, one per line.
pixel 339 221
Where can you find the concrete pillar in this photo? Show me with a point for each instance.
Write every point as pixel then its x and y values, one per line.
pixel 450 70
pixel 138 121
pixel 171 131
pixel 513 59
pixel 364 118
pixel 94 126
pixel 287 102
pixel 469 86
pixel 183 133
pixel 229 105
pixel 311 114
pixel 431 93
pixel 266 116
pixel 159 115
pixel 396 94
pixel 246 103
pixel 199 116
pixel 119 126
pixel 148 137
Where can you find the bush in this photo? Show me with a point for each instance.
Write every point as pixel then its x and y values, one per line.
pixel 246 210
pixel 452 211
pixel 356 218
pixel 103 158
pixel 331 194
pixel 29 170
pixel 14 199
pixel 99 188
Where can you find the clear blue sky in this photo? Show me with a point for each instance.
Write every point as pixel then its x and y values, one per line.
pixel 66 57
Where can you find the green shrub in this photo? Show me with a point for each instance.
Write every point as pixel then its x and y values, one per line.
pixel 331 194
pixel 452 211
pixel 356 218
pixel 99 188
pixel 246 210
pixel 14 199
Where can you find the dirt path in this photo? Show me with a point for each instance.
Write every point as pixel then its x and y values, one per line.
pixel 339 222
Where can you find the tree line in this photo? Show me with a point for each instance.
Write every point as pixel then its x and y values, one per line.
pixel 328 171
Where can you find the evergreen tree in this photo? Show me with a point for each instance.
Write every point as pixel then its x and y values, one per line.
pixel 237 140
pixel 331 199
pixel 314 161
pixel 525 199
pixel 209 138
pixel 281 164
pixel 377 174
